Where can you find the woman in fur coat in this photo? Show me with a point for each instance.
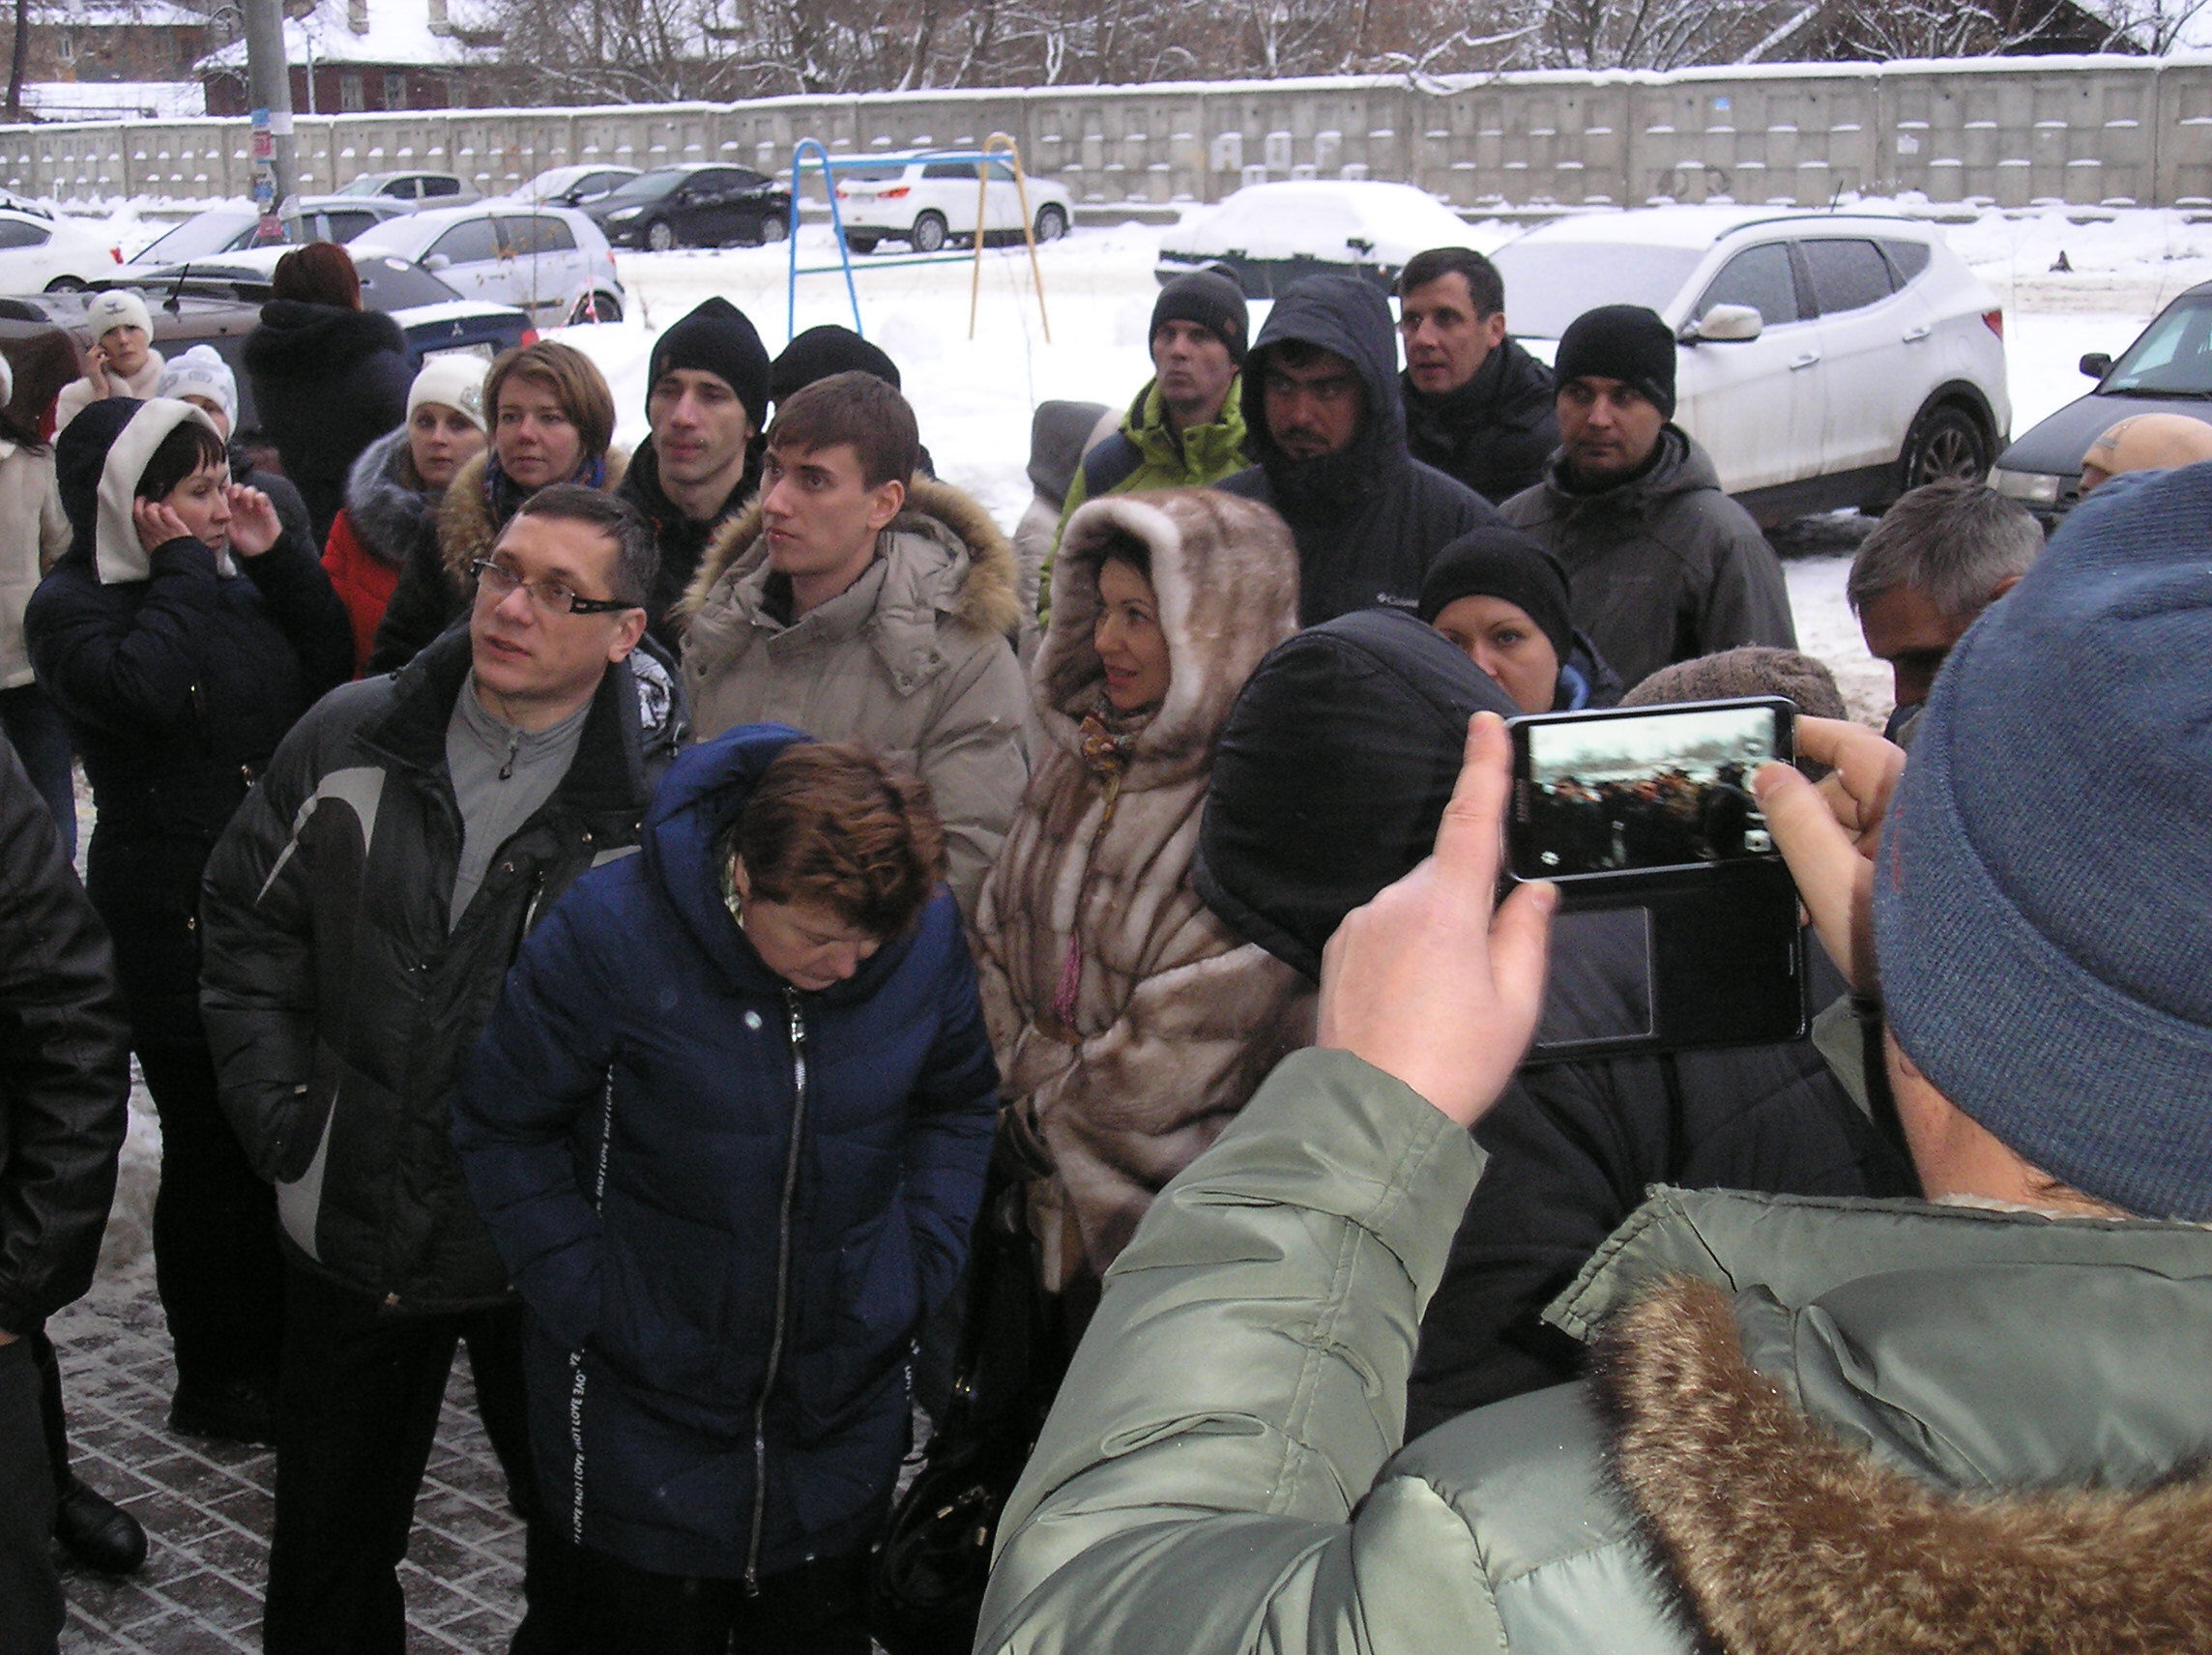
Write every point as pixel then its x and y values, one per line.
pixel 1130 1025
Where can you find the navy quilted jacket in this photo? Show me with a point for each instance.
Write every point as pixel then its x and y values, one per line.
pixel 727 1202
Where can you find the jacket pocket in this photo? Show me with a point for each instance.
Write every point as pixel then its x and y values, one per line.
pixel 663 1283
pixel 862 1340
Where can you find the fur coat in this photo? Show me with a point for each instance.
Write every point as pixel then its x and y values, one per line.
pixel 913 659
pixel 1176 1021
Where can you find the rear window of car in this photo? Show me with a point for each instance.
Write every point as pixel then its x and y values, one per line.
pixel 1846 276
pixel 395 284
pixel 949 169
pixel 14 233
pixel 1548 284
pixel 441 187
pixel 1759 278
pixel 871 174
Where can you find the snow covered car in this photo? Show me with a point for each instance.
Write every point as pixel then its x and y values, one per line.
pixel 1269 235
pixel 231 228
pixel 571 185
pixel 39 254
pixel 1827 360
pixel 703 204
pixel 926 200
pixel 549 262
pixel 2167 370
pixel 430 189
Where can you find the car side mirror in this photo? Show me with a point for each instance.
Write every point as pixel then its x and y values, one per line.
pixel 437 262
pixel 1729 325
pixel 2097 363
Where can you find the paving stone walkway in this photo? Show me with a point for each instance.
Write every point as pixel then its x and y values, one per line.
pixel 207 1506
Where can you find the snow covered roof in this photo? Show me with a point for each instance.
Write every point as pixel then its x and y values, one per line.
pixel 398 32
pixel 118 13
pixel 66 100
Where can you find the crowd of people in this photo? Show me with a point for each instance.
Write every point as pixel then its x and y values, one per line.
pixel 719 933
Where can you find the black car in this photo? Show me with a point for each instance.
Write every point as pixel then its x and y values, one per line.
pixel 708 205
pixel 218 302
pixel 2167 370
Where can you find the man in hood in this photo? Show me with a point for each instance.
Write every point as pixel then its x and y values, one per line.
pixel 359 914
pixel 1665 566
pixel 707 401
pixel 122 361
pixel 1324 422
pixel 1478 407
pixel 860 601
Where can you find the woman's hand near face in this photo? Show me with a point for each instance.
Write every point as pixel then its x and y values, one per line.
pixel 157 524
pixel 96 372
pixel 253 524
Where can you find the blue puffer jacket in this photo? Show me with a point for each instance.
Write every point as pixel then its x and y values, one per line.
pixel 727 1202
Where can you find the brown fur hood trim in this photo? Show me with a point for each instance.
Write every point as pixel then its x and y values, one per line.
pixel 466 532
pixel 1226 574
pixel 1786 1540
pixel 987 599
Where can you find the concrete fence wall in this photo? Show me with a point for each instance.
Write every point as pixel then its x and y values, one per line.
pixel 2085 130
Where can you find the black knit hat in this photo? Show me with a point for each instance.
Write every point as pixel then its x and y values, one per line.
pixel 1627 343
pixel 716 339
pixel 1502 563
pixel 1212 301
pixel 819 352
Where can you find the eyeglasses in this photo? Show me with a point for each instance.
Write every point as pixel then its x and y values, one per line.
pixel 499 580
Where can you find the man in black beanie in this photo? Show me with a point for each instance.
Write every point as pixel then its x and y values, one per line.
pixel 707 399
pixel 1184 429
pixel 819 352
pixel 1664 565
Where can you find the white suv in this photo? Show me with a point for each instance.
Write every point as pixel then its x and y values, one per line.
pixel 925 200
pixel 1827 360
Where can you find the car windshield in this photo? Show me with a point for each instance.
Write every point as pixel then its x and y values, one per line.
pixel 205 232
pixel 2172 358
pixel 645 187
pixel 1548 284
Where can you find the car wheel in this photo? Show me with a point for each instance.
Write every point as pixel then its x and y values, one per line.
pixel 863 245
pixel 929 232
pixel 1051 222
pixel 64 285
pixel 1945 441
pixel 661 235
pixel 773 228
pixel 596 307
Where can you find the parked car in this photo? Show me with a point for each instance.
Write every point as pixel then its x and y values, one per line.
pixel 231 229
pixel 572 186
pixel 39 254
pixel 218 301
pixel 925 200
pixel 703 205
pixel 437 188
pixel 1269 235
pixel 2167 370
pixel 1827 360
pixel 551 262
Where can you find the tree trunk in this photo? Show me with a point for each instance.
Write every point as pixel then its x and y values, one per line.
pixel 15 63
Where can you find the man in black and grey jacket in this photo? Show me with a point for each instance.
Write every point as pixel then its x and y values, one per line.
pixel 361 914
pixel 1478 407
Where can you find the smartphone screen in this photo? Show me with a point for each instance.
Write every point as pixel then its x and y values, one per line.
pixel 1639 789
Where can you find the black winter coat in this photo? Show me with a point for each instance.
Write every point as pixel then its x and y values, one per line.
pixel 1573 1146
pixel 1368 520
pixel 327 382
pixel 65 1065
pixel 341 1004
pixel 683 541
pixel 177 689
pixel 1496 431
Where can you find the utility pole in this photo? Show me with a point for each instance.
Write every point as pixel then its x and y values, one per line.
pixel 268 92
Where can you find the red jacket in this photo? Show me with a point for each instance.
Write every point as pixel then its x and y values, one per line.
pixel 363 582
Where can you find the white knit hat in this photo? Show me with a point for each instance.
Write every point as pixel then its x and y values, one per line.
pixel 453 380
pixel 201 372
pixel 118 308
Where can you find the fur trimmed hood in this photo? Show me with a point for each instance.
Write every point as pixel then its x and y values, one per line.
pixel 983 596
pixel 1226 574
pixel 383 503
pixel 466 531
pixel 1786 1538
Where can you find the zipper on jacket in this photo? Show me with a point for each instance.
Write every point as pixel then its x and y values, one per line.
pixel 782 1289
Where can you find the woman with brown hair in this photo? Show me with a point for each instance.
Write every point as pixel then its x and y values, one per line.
pixel 728 1126
pixel 328 377
pixel 552 418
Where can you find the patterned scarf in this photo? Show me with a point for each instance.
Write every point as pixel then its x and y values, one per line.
pixel 1108 740
pixel 504 496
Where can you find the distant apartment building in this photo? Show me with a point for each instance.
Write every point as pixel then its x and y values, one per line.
pixel 357 56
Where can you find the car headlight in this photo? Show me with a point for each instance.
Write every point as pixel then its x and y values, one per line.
pixel 2034 487
pixel 624 214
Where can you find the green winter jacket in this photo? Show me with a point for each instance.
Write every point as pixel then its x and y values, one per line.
pixel 1803 1417
pixel 1199 458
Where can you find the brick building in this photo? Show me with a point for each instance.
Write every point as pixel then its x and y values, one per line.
pixel 355 56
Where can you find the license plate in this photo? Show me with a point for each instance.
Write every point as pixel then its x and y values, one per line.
pixel 483 353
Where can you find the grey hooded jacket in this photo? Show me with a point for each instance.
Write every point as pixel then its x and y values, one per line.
pixel 1368 520
pixel 1845 1426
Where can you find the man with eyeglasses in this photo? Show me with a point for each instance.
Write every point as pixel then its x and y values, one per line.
pixel 359 914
